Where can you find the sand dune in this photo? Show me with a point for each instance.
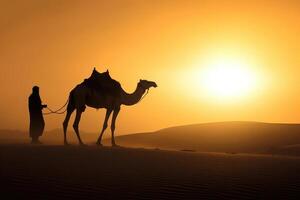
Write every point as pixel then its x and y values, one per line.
pixel 230 137
pixel 73 172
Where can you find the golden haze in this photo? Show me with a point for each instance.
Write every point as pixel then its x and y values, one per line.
pixel 55 44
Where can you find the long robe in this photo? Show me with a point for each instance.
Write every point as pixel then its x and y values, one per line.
pixel 37 122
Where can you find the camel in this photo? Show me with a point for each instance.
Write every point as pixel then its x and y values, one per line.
pixel 83 95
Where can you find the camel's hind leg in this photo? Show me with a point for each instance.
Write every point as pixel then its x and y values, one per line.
pixel 76 124
pixel 108 112
pixel 70 110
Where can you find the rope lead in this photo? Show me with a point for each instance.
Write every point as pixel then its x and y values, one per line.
pixel 57 111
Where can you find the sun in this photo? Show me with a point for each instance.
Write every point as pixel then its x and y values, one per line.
pixel 227 78
pixel 219 78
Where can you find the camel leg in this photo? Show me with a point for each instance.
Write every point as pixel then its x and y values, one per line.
pixel 65 124
pixel 108 112
pixel 76 124
pixel 113 125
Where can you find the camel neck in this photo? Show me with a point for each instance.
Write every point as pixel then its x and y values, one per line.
pixel 133 98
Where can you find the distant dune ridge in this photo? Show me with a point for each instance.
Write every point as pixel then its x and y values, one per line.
pixel 229 137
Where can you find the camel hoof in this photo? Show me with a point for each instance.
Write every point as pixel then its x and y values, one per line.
pixel 81 144
pixel 66 144
pixel 99 144
pixel 115 145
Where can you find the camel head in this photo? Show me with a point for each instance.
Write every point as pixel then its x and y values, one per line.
pixel 147 84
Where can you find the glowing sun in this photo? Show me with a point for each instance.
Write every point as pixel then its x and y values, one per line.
pixel 226 78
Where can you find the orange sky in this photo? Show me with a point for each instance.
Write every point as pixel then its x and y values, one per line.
pixel 56 43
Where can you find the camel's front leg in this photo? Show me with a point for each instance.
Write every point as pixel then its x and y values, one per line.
pixel 113 125
pixel 108 112
pixel 76 124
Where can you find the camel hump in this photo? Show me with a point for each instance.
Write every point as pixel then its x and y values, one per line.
pixel 103 83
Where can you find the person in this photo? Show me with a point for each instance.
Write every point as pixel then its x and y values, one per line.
pixel 37 122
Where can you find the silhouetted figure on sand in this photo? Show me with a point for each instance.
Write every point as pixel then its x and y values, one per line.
pixel 37 122
pixel 101 91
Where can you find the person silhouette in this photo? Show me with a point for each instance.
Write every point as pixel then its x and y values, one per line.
pixel 37 122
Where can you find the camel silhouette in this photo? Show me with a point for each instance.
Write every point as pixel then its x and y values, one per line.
pixel 101 91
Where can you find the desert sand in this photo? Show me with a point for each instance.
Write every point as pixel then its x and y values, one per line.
pixel 232 160
pixel 91 172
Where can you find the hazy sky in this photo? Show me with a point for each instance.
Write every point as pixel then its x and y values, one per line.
pixel 55 44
